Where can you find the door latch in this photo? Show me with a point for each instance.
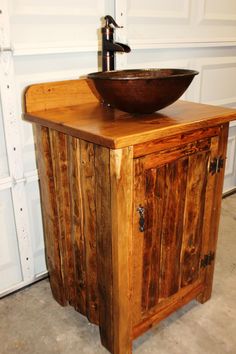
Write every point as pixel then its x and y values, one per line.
pixel 140 209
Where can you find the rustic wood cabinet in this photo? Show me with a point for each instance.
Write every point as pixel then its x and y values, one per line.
pixel 131 205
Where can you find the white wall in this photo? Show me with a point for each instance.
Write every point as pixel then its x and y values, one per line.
pixel 50 40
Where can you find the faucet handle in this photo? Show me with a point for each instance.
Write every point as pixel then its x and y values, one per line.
pixel 110 20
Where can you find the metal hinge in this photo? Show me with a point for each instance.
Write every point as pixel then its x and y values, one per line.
pixel 208 258
pixel 216 164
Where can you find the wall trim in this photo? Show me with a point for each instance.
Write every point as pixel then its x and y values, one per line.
pixel 19 50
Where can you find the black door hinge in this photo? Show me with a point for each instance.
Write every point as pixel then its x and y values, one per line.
pixel 208 258
pixel 216 165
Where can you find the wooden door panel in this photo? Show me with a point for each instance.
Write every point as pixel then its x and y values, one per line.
pixel 151 248
pixel 166 256
pixel 172 226
pixel 193 218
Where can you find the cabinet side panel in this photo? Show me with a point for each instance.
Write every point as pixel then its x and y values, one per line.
pixel 74 175
pixel 193 218
pixel 87 168
pixel 50 213
pixel 172 227
pixel 59 151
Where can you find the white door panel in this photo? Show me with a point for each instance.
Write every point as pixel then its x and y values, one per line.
pixel 4 171
pixel 28 150
pixel 10 267
pixel 230 169
pixel 36 229
pixel 220 10
pixel 53 25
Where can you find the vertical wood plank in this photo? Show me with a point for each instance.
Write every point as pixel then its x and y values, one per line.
pixel 59 151
pixel 121 169
pixel 87 169
pixel 138 241
pixel 50 213
pixel 152 242
pixel 104 245
pixel 193 218
pixel 172 228
pixel 216 183
pixel 77 232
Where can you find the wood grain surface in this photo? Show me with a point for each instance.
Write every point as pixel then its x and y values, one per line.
pixel 70 107
pixel 97 166
pixel 104 245
pixel 65 165
pixel 77 226
pixel 172 186
pixel 192 241
pixel 215 213
pixel 58 94
pixel 87 171
pixel 50 214
pixel 121 171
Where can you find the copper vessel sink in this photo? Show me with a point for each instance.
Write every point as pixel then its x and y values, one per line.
pixel 141 90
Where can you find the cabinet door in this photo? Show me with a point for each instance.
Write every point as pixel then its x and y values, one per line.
pixel 171 186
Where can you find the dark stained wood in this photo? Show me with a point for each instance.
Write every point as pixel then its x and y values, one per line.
pixel 193 218
pixel 50 214
pixel 172 195
pixel 172 227
pixel 209 206
pixel 87 170
pixel 215 216
pixel 152 242
pixel 77 222
pixel 171 304
pixel 167 156
pixel 177 140
pixel 71 107
pixel 59 153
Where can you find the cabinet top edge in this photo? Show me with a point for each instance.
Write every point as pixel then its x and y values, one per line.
pixel 115 129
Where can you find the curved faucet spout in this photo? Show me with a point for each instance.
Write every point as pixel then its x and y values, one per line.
pixel 125 47
pixel 115 47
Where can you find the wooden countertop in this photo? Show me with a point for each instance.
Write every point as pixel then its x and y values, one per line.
pixel 110 127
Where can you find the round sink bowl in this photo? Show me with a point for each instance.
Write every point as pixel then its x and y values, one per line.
pixel 141 90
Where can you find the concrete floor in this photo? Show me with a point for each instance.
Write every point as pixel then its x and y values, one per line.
pixel 31 322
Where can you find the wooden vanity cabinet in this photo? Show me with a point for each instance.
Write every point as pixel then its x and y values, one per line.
pixel 130 205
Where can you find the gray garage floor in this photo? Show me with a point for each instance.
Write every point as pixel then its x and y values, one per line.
pixel 32 322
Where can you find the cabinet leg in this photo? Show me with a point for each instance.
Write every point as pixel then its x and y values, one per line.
pixel 113 346
pixel 114 246
pixel 206 294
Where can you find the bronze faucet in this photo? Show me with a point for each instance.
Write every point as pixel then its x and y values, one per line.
pixel 109 47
